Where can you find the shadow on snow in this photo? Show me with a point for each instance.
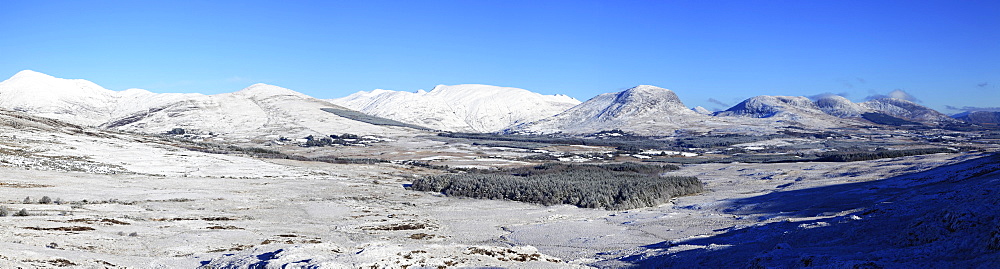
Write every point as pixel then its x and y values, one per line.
pixel 944 217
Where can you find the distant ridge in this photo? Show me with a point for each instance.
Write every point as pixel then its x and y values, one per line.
pixel 644 109
pixel 986 118
pixel 263 111
pixel 259 111
pixel 463 108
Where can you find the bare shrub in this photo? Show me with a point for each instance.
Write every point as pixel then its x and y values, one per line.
pixel 22 213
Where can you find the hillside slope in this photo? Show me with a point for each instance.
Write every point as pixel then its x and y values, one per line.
pixel 644 110
pixel 259 111
pixel 463 108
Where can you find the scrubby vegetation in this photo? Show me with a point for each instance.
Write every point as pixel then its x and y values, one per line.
pixel 721 140
pixel 620 140
pixel 852 155
pixel 881 154
pixel 265 153
pixel 613 187
pixel 538 141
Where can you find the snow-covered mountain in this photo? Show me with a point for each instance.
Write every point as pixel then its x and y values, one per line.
pixel 255 112
pixel 909 111
pixel 75 100
pixel 259 110
pixel 765 106
pixel 702 110
pixel 826 110
pixel 979 117
pixel 463 108
pixel 840 106
pixel 643 110
pixel 797 110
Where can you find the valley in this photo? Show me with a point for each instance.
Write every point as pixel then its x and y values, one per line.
pixel 268 177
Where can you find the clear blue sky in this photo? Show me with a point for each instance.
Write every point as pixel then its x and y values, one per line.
pixel 941 52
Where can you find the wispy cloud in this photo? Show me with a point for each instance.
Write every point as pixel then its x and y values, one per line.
pixel 717 102
pixel 973 108
pixel 849 83
pixel 236 79
pixel 826 94
pixel 897 93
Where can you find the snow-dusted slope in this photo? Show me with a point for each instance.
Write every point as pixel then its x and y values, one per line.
pixel 702 110
pixel 258 111
pixel 909 111
pixel 772 106
pixel 644 110
pixel 792 109
pixel 74 100
pixel 465 108
pixel 899 108
pixel 841 107
pixel 980 117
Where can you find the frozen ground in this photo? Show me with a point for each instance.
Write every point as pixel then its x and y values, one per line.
pixel 138 202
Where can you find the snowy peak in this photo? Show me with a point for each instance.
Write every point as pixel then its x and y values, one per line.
pixel 258 111
pixel 479 91
pixel 799 111
pixel 641 101
pixel 991 118
pixel 648 92
pixel 840 106
pixel 261 90
pixel 766 106
pixel 909 111
pixel 464 108
pixel 644 109
pixel 31 74
pixel 817 113
pixel 701 110
pixel 74 100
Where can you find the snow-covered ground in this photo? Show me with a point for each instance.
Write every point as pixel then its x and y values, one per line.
pixel 138 202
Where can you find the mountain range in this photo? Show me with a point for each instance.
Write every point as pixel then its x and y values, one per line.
pixel 461 108
pixel 264 111
pixel 260 111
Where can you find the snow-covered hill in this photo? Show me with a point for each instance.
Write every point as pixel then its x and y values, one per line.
pixel 980 117
pixel 796 110
pixel 463 108
pixel 75 100
pixel 702 110
pixel 909 111
pixel 772 106
pixel 644 110
pixel 256 112
pixel 260 110
pixel 841 107
pixel 834 111
pixel 899 108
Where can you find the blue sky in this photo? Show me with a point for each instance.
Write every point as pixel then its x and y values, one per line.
pixel 712 53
